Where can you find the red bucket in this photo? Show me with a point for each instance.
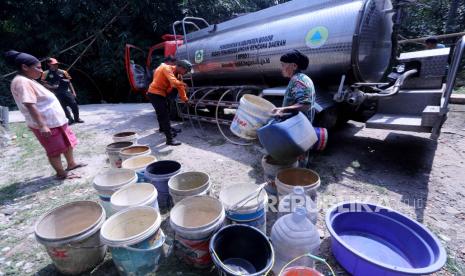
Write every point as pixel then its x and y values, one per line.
pixel 301 271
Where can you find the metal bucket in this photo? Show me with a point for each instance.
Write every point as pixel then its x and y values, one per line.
pixel 135 240
pixel 188 184
pixel 251 211
pixel 71 236
pixel 195 219
pixel 112 151
pixel 159 173
pixel 253 112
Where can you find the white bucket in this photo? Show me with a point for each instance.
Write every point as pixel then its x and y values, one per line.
pixel 126 136
pixel 252 211
pixel 271 168
pixel 195 219
pixel 253 113
pixel 140 194
pixel 109 182
pixel 113 150
pixel 138 164
pixel 70 234
pixel 134 151
pixel 188 184
pixel 130 226
pixel 287 179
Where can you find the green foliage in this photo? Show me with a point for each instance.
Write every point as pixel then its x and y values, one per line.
pixel 45 27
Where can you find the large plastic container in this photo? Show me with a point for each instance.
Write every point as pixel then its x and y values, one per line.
pixel 140 194
pixel 108 182
pixel 71 236
pixel 294 235
pixel 286 140
pixel 135 240
pixel 188 184
pixel 159 173
pixel 194 220
pixel 298 198
pixel 241 250
pixel 138 164
pixel 126 136
pixel 253 112
pixel 134 151
pixel 239 211
pixel 385 243
pixel 287 179
pixel 271 168
pixel 113 150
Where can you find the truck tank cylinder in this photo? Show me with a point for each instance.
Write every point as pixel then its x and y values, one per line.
pixel 338 36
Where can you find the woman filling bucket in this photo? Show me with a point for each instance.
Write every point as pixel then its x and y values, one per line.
pixel 135 240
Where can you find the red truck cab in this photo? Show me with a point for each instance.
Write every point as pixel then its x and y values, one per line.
pixel 140 65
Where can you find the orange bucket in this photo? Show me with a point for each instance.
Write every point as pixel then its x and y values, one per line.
pixel 301 271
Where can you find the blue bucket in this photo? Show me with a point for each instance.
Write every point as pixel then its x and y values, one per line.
pixel 142 258
pixel 135 240
pixel 159 173
pixel 250 212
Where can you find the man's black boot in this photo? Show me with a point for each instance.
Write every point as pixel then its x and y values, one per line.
pixel 173 142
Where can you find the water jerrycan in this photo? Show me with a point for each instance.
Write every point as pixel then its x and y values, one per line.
pixel 296 199
pixel 287 138
pixel 292 236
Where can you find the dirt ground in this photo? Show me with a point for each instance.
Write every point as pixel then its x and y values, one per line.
pixel 408 172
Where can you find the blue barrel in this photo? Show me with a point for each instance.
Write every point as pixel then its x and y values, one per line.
pixel 288 139
pixel 159 173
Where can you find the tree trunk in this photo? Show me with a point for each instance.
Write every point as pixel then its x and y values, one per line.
pixel 451 23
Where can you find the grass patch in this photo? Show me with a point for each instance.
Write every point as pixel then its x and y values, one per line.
pixel 459 90
pixel 25 140
pixel 454 266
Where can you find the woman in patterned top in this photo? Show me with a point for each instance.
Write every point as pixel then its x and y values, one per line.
pixel 43 113
pixel 300 92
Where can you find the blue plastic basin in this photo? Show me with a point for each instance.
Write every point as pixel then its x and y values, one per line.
pixel 373 240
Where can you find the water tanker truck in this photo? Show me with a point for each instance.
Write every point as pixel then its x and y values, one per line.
pixel 354 64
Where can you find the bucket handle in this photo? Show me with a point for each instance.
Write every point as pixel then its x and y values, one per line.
pixel 249 197
pixel 311 257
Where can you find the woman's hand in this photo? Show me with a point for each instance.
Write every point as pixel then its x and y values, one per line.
pixel 279 111
pixel 45 131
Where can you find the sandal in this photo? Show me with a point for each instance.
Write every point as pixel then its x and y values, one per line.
pixel 68 176
pixel 79 165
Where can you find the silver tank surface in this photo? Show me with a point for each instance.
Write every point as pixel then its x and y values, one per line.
pixel 338 36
